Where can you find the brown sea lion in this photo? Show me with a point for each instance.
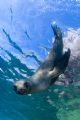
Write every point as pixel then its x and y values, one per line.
pixel 50 69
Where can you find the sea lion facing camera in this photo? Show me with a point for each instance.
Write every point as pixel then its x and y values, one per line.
pixel 50 69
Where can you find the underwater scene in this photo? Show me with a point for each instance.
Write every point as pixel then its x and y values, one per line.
pixel 26 37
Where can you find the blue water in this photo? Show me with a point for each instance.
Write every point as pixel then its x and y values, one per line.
pixel 25 40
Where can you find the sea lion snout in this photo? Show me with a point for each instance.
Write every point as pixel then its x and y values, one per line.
pixel 20 87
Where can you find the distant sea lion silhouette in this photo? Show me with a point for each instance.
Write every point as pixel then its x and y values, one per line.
pixel 50 69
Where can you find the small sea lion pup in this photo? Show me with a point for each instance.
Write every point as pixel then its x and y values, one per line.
pixel 50 69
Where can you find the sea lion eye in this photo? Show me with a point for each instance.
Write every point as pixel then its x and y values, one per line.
pixel 26 84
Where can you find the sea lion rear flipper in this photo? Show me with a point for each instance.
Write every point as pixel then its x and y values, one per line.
pixel 56 51
pixel 57 31
pixel 58 43
pixel 60 65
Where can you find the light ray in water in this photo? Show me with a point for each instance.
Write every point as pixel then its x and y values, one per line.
pixel 19 49
pixel 32 55
pixel 11 12
pixel 10 80
pixel 27 35
pixel 12 42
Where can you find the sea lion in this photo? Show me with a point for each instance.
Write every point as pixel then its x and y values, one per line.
pixel 50 69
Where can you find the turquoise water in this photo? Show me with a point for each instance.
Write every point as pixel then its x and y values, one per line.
pixel 25 40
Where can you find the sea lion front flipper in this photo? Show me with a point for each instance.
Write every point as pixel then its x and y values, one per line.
pixel 53 80
pixel 60 65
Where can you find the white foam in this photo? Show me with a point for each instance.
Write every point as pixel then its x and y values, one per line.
pixel 72 41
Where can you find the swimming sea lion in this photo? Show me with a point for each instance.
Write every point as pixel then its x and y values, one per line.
pixel 50 69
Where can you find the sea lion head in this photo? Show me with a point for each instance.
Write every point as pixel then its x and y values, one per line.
pixel 22 87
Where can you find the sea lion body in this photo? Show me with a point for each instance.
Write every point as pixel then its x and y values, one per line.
pixel 50 69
